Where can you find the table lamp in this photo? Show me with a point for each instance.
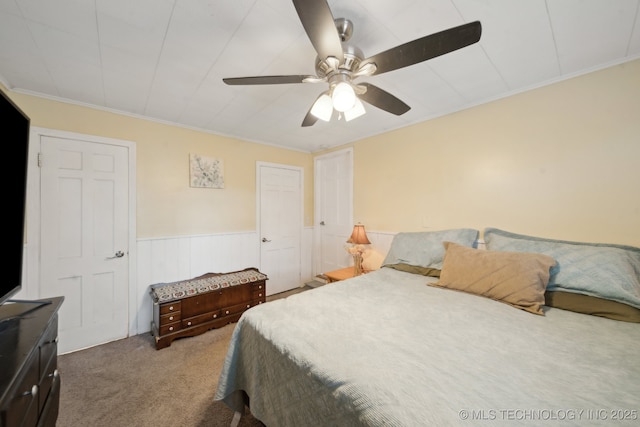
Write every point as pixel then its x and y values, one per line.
pixel 358 239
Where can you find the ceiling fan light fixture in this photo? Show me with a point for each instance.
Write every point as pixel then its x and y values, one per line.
pixel 323 107
pixel 357 111
pixel 343 96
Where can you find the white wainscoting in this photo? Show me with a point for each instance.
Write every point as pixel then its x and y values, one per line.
pixel 169 259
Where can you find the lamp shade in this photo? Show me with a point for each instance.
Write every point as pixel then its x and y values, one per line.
pixel 355 112
pixel 359 236
pixel 343 97
pixel 323 108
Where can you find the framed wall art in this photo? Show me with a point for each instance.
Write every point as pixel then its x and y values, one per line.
pixel 206 172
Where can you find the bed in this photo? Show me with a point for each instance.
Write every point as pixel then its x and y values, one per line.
pixel 425 341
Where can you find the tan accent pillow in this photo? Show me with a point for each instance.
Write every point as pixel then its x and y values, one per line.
pixel 516 278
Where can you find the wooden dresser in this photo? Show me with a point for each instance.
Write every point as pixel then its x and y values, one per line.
pixel 29 379
pixel 190 307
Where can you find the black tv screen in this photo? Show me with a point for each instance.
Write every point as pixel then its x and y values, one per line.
pixel 15 142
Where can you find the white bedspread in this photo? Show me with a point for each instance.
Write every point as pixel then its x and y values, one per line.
pixel 386 349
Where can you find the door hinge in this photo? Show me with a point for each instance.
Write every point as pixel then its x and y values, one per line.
pixel 39 160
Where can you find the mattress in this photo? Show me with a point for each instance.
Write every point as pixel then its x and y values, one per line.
pixel 387 349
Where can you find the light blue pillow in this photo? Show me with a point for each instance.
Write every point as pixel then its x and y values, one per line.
pixel 425 248
pixel 596 269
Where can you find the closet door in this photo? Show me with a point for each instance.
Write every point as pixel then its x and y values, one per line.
pixel 333 209
pixel 280 210
pixel 84 235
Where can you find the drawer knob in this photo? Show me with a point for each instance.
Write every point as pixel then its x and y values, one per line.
pixel 215 315
pixel 171 308
pixel 170 317
pixel 259 295
pixel 171 328
pixel 260 287
pixel 226 312
pixel 248 305
pixel 188 323
pixel 54 374
pixel 33 392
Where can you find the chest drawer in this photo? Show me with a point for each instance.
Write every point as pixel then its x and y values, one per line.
pixel 168 318
pixel 258 292
pixel 170 307
pixel 170 327
pixel 235 309
pixel 49 377
pixel 48 361
pixel 196 320
pixel 23 403
pixel 258 295
pixel 49 344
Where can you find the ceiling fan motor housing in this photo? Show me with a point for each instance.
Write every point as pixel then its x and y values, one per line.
pixel 350 62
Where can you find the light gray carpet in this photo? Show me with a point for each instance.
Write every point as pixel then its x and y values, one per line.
pixel 130 383
pixel 315 284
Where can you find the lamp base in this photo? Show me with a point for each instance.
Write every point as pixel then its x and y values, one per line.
pixel 357 265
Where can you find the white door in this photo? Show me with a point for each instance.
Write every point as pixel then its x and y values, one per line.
pixel 334 209
pixel 84 238
pixel 280 223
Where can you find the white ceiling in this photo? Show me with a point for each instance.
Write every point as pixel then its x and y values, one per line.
pixel 165 59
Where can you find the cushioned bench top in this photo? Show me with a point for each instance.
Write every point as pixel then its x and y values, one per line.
pixel 164 292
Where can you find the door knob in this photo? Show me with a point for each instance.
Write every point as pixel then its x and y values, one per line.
pixel 118 254
pixel 265 240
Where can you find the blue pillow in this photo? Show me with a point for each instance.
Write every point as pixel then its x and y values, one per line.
pixel 597 269
pixel 425 248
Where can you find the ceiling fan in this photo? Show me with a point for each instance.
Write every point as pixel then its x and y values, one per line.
pixel 339 64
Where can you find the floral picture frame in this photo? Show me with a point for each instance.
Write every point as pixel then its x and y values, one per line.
pixel 206 172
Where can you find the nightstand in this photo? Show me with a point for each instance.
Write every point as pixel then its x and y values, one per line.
pixel 341 274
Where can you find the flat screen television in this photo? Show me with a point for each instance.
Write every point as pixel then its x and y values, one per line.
pixel 15 143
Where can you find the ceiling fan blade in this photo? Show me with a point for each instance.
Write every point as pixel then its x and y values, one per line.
pixel 320 27
pixel 266 80
pixel 383 100
pixel 425 48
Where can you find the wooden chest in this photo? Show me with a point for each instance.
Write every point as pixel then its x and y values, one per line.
pixel 191 307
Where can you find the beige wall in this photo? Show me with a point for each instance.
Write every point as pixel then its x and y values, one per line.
pixel 562 161
pixel 166 205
